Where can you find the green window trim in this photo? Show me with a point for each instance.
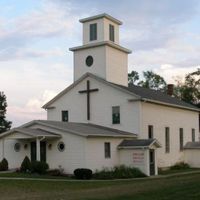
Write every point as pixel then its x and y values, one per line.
pixel 65 115
pixel 116 115
pixel 150 132
pixel 181 138
pixel 107 150
pixel 167 140
pixel 193 135
pixel 111 32
pixel 93 32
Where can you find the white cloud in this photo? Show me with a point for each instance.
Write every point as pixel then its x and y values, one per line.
pixel 172 73
pixel 31 110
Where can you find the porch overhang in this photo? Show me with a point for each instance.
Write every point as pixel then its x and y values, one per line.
pixel 139 144
pixel 27 133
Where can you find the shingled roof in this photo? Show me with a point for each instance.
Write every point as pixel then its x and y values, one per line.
pixel 139 143
pixel 143 94
pixel 156 96
pixel 85 129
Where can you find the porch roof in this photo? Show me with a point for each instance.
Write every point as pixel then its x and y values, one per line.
pixel 34 133
pixel 138 143
pixel 192 145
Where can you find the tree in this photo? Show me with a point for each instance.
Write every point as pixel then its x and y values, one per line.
pixel 153 81
pixel 189 90
pixel 133 77
pixel 4 124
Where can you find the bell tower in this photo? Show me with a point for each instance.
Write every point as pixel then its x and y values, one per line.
pixel 100 53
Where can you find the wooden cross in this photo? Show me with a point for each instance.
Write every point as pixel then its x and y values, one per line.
pixel 88 91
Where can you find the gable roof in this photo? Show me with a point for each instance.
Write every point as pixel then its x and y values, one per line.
pixel 140 93
pixel 139 143
pixel 82 129
pixel 157 96
pixel 33 133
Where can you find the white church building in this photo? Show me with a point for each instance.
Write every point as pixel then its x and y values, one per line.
pixel 99 121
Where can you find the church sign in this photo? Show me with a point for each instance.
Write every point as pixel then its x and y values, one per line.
pixel 138 157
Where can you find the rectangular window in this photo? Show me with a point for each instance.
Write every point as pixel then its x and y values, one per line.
pixel 193 135
pixel 93 32
pixel 107 150
pixel 181 138
pixel 65 116
pixel 150 132
pixel 112 33
pixel 116 115
pixel 167 140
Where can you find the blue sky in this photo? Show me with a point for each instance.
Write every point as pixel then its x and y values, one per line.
pixel 35 63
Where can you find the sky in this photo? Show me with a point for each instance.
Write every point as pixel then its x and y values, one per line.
pixel 35 37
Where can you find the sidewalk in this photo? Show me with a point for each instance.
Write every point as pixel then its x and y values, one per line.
pixel 92 180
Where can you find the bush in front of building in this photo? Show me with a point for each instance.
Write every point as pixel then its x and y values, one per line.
pixel 119 172
pixel 83 173
pixel 39 167
pixel 4 165
pixel 26 165
pixel 180 166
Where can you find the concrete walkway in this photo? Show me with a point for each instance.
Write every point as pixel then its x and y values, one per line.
pixel 114 180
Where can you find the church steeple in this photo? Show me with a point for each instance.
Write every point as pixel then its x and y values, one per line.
pixel 101 53
pixel 100 28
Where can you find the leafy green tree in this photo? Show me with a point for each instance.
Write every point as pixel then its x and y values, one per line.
pixel 189 90
pixel 153 81
pixel 133 77
pixel 4 124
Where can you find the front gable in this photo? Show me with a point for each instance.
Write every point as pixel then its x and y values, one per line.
pixel 101 102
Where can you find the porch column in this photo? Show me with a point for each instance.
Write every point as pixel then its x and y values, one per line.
pixel 38 149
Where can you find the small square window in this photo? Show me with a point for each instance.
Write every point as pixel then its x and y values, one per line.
pixel 116 115
pixel 107 150
pixel 65 116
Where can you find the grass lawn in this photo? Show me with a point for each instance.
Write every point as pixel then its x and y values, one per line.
pixel 179 187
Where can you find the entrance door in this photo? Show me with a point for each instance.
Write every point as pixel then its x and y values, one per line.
pixel 33 151
pixel 152 162
pixel 42 151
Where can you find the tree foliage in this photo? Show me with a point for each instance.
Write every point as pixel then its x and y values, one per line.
pixel 150 80
pixel 133 77
pixel 189 90
pixel 4 124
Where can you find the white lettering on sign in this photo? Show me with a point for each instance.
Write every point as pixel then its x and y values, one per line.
pixel 138 157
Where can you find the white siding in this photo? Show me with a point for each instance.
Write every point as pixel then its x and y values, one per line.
pixel 101 107
pixel 95 157
pixel 192 157
pixel 161 117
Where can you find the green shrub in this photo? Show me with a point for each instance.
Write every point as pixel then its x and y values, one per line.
pixel 83 173
pixel 4 165
pixel 26 165
pixel 39 167
pixel 179 166
pixel 119 172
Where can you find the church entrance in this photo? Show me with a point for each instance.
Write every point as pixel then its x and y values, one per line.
pixel 152 162
pixel 42 151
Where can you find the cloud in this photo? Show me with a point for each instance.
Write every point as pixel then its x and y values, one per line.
pixel 31 110
pixel 172 73
pixel 47 22
pixel 25 53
